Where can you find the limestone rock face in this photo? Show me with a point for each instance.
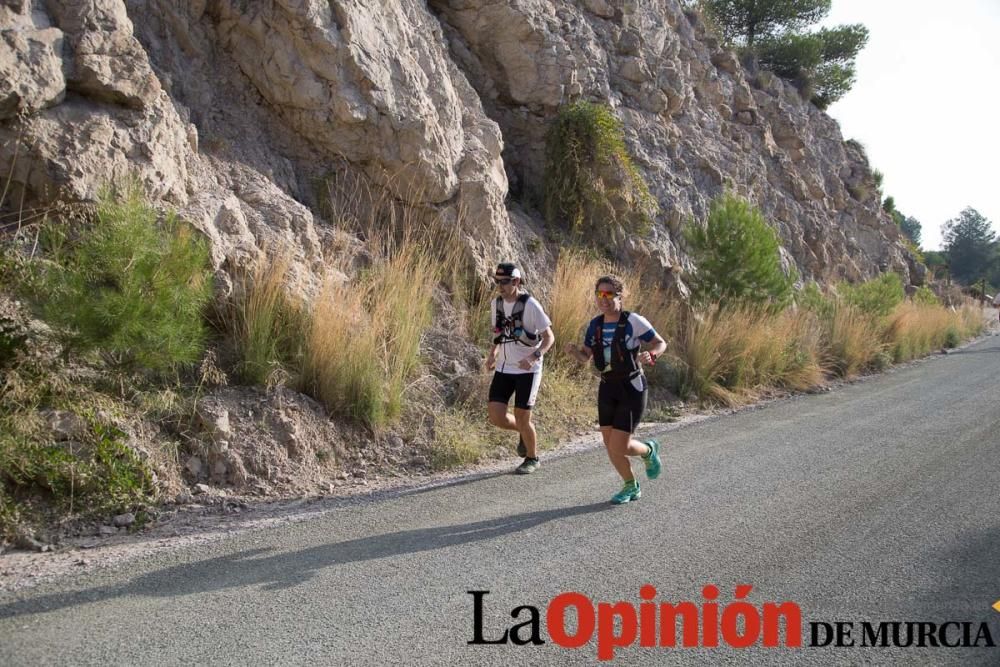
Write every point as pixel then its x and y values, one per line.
pixel 91 108
pixel 372 84
pixel 369 82
pixel 31 76
pixel 106 62
pixel 239 115
pixel 696 119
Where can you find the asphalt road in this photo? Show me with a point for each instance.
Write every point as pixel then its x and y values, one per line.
pixel 878 501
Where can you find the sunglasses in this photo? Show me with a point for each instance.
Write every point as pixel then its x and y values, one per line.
pixel 601 294
pixel 502 281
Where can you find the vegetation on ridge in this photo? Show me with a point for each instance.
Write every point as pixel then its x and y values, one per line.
pixel 592 187
pixel 820 64
pixel 737 257
pixel 122 293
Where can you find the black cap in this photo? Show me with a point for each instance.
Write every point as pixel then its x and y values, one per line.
pixel 508 270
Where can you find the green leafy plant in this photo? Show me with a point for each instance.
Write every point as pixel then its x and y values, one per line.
pixel 99 474
pixel 119 476
pixel 591 183
pixel 738 258
pixel 926 297
pixel 12 339
pixel 129 285
pixel 859 191
pixel 878 178
pixel 874 297
pixel 952 338
pixel 812 299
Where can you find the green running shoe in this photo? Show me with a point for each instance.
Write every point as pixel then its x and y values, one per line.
pixel 630 491
pixel 652 460
pixel 522 449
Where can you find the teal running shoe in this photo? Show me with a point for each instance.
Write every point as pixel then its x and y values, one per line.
pixel 630 491
pixel 652 459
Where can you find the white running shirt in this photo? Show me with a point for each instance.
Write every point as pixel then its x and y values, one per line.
pixel 509 354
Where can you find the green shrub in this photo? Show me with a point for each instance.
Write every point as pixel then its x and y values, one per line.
pixel 590 180
pixel 884 359
pixel 12 339
pixel 738 259
pixel 914 249
pixel 952 338
pixel 878 178
pixel 127 285
pixel 926 297
pixel 812 299
pixel 13 330
pixel 99 474
pixel 859 191
pixel 874 297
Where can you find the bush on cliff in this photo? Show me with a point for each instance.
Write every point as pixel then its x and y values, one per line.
pixel 592 187
pixel 129 285
pixel 738 259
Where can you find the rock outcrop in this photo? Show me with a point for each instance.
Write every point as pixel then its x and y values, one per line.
pixel 238 115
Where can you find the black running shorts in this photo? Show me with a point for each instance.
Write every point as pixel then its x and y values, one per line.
pixel 620 405
pixel 524 387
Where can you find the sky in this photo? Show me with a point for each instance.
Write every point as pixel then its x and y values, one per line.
pixel 926 105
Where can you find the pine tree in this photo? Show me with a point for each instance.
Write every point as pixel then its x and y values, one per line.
pixel 821 64
pixel 129 285
pixel 969 244
pixel 746 21
pixel 738 258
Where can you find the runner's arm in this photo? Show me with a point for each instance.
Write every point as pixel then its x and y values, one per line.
pixel 581 353
pixel 491 358
pixel 659 346
pixel 548 340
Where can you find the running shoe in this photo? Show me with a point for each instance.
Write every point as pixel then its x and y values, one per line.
pixel 527 467
pixel 652 460
pixel 630 491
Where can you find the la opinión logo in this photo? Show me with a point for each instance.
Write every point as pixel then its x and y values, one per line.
pixel 654 624
pixel 572 620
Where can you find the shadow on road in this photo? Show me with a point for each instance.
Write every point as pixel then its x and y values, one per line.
pixel 282 570
pixel 966 592
pixel 970 582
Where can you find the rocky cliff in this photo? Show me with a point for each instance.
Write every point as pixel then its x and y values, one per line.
pixel 237 112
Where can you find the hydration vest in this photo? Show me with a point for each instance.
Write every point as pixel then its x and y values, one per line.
pixel 511 329
pixel 624 364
